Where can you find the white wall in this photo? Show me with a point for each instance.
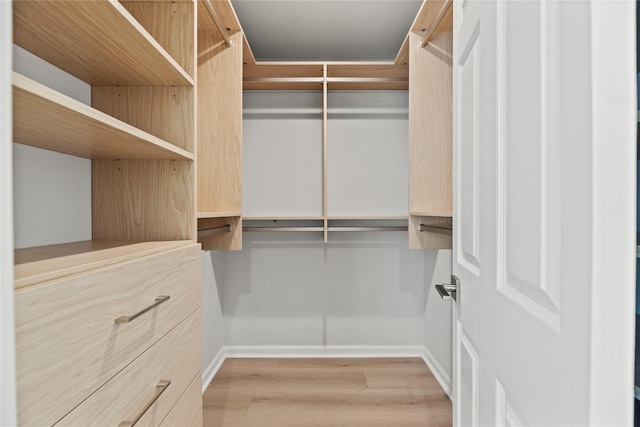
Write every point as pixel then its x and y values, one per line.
pixel 292 289
pixel 437 316
pixel 7 344
pixel 52 191
pixel 212 321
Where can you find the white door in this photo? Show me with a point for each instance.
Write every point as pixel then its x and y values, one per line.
pixel 544 193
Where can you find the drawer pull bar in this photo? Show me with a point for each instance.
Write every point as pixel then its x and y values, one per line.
pixel 127 319
pixel 160 388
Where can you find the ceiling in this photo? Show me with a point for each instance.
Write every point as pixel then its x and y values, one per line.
pixel 329 30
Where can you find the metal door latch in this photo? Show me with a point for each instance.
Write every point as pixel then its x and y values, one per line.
pixel 450 291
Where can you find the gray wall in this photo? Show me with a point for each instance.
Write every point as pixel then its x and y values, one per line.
pixel 292 289
pixel 52 191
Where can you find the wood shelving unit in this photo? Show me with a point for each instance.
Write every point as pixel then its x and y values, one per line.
pixel 47 119
pixel 430 127
pixel 139 133
pixel 219 165
pixel 85 44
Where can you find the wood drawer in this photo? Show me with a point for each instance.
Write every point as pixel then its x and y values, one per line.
pixel 67 341
pixel 188 410
pixel 176 358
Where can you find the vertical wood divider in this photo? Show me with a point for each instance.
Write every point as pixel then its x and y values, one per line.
pixel 324 151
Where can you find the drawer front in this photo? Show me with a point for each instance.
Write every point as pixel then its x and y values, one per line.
pixel 188 410
pixel 175 358
pixel 67 341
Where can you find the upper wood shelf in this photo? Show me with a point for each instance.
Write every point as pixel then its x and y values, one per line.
pixel 443 214
pixel 202 215
pixel 44 263
pixel 47 119
pixel 97 41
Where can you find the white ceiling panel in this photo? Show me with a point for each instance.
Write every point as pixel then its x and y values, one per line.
pixel 330 30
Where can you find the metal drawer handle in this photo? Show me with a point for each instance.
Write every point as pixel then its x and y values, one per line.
pixel 160 388
pixel 159 300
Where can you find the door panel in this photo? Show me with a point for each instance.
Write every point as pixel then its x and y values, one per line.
pixel 530 101
pixel 529 126
pixel 468 380
pixel 468 219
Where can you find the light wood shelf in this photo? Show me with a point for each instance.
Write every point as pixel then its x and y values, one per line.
pixel 283 218
pixel 44 263
pixel 445 214
pixel 202 215
pixel 366 218
pixel 47 119
pixel 79 37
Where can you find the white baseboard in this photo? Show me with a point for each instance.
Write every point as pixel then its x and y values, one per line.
pixel 444 379
pixel 212 369
pixel 292 351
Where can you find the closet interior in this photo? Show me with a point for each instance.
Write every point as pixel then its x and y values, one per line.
pixel 108 325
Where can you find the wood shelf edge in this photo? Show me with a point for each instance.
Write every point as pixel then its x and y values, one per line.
pixel 48 102
pixel 45 263
pixel 203 215
pixel 444 214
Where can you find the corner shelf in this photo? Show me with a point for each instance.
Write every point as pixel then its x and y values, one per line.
pixel 45 118
pixel 79 37
pixel 44 263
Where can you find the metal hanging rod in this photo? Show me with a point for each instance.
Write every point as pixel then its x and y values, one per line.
pixel 434 229
pixel 216 20
pixel 264 229
pixel 444 8
pixel 370 228
pixel 214 230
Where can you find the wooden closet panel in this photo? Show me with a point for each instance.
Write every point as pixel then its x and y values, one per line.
pixel 176 358
pixel 428 239
pixel 172 24
pixel 143 200
pixel 223 241
pixel 67 341
pixel 165 112
pixel 188 410
pixel 219 123
pixel 430 124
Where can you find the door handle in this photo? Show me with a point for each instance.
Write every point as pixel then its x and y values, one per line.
pixel 450 291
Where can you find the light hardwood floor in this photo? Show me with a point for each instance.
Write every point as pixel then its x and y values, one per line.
pixel 398 392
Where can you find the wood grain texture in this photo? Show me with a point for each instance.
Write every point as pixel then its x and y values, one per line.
pixel 225 11
pixel 47 119
pixel 188 411
pixel 219 159
pixel 247 53
pixel 97 41
pixel 426 239
pixel 176 357
pixel 172 25
pixel 430 128
pixel 143 200
pixel 218 214
pixel 67 344
pixel 223 241
pixel 44 263
pixel 166 112
pixel 325 392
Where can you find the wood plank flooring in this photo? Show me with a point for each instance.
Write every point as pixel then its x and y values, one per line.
pixel 398 392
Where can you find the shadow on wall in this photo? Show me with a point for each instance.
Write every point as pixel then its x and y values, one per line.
pixel 290 288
